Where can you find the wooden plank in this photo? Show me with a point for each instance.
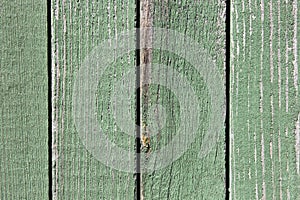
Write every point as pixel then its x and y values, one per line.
pixel 264 100
pixel 78 27
pixel 23 100
pixel 191 176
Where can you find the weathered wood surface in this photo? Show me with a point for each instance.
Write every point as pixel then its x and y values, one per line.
pixel 23 100
pixel 77 28
pixel 191 176
pixel 264 100
pixel 264 109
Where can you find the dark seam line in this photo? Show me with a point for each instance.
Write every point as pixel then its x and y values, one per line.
pixel 138 104
pixel 49 61
pixel 227 119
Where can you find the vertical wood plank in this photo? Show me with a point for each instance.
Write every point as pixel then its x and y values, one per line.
pixel 191 176
pixel 23 100
pixel 77 28
pixel 264 100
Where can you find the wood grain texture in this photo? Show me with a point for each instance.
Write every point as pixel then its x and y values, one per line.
pixel 77 28
pixel 23 100
pixel 264 100
pixel 189 177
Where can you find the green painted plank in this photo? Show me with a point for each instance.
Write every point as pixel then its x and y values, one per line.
pixel 23 100
pixel 78 27
pixel 196 174
pixel 264 100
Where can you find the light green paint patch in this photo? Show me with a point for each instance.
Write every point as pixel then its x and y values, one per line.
pixel 23 100
pixel 264 100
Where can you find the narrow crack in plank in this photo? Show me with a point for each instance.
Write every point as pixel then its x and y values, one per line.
pixel 261 102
